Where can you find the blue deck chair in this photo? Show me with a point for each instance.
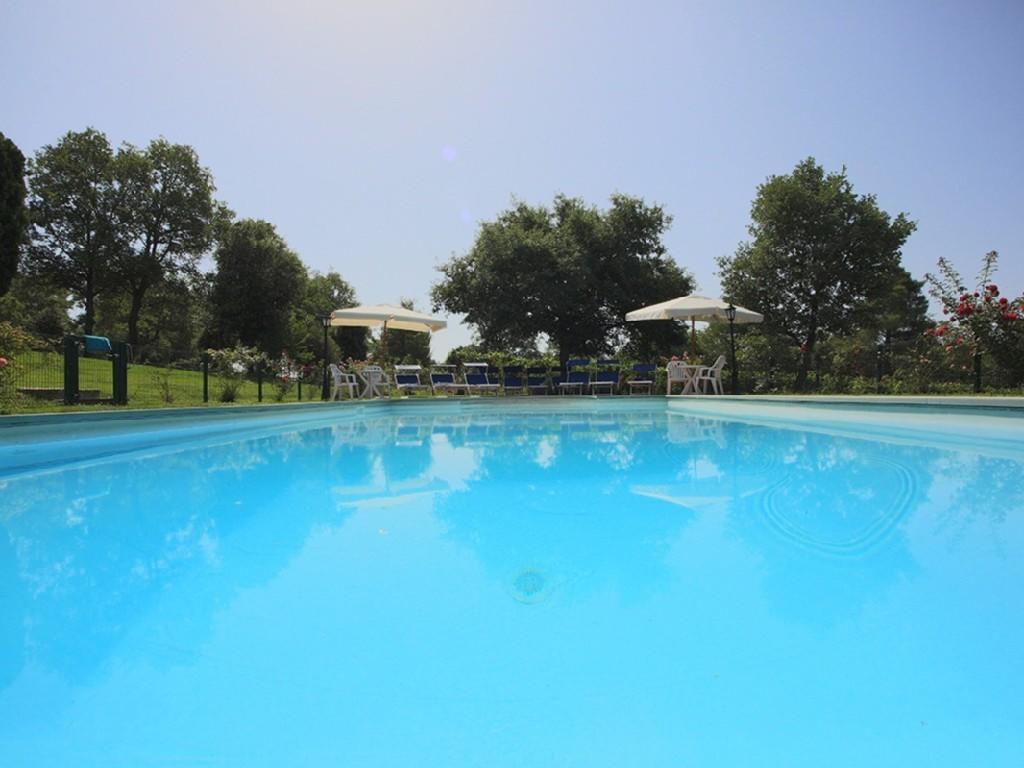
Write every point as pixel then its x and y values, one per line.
pixel 513 381
pixel 643 378
pixel 605 381
pixel 442 379
pixel 537 380
pixel 407 378
pixel 575 381
pixel 476 378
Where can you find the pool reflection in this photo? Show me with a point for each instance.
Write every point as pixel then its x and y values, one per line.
pixel 702 530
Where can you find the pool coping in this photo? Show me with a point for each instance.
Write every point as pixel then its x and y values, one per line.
pixel 999 402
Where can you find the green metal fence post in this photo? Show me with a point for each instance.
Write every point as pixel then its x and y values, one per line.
pixel 119 358
pixel 206 378
pixel 71 394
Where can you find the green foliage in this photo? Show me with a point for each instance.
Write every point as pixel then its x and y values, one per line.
pixel 568 273
pixel 13 212
pixel 14 342
pixel 165 220
pixel 72 204
pixel 36 305
pixel 322 294
pixel 981 321
pixel 233 365
pixel 258 283
pixel 821 256
pixel 162 383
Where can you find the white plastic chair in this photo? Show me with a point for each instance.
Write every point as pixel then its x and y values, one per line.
pixel 710 374
pixel 341 380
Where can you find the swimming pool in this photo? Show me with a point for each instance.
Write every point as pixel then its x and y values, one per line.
pixel 570 582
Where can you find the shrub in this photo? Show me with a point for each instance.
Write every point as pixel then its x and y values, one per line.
pixel 233 365
pixel 13 342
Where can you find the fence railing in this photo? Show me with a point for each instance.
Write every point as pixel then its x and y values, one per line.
pixel 42 376
pixel 39 380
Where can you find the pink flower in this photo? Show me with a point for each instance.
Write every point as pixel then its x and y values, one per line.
pixel 3 362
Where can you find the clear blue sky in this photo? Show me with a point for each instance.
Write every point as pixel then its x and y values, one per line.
pixel 375 135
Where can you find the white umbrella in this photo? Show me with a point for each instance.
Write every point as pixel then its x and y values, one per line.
pixel 388 316
pixel 694 308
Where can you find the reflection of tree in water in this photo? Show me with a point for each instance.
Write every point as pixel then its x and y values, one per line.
pixel 987 489
pixel 552 506
pixel 91 547
pixel 829 527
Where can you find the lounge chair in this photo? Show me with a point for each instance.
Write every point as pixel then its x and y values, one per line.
pixel 341 380
pixel 710 375
pixel 442 379
pixel 513 380
pixel 605 380
pixel 537 381
pixel 643 378
pixel 374 380
pixel 407 378
pixel 575 381
pixel 475 376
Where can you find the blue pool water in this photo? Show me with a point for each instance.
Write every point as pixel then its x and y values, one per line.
pixel 559 584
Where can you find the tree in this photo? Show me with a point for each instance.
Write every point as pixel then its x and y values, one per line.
pixel 71 205
pixel 569 272
pixel 819 255
pixel 322 294
pixel 36 305
pixel 257 285
pixel 13 213
pixel 165 216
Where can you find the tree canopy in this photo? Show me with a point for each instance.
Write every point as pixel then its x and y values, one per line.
pixel 72 209
pixel 165 219
pixel 258 283
pixel 819 256
pixel 569 272
pixel 13 213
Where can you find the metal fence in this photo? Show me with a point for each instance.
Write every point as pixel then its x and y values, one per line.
pixel 42 376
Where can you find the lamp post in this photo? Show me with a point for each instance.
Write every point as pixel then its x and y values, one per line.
pixel 325 390
pixel 730 312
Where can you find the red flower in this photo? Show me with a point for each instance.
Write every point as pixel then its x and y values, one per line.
pixel 1004 301
pixel 940 330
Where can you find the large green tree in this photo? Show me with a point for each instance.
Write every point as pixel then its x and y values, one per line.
pixel 258 283
pixel 13 212
pixel 568 272
pixel 71 203
pixel 322 294
pixel 165 220
pixel 819 256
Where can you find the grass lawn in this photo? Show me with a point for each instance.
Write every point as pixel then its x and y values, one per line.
pixel 149 386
